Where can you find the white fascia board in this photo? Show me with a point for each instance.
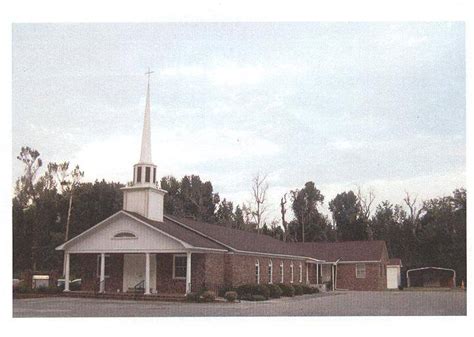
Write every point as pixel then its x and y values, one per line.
pixel 63 246
pixel 342 262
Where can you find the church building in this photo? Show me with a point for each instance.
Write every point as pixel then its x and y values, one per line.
pixel 141 247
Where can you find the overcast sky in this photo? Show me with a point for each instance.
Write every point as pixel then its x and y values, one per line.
pixel 376 105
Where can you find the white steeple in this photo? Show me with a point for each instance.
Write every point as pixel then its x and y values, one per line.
pixel 144 196
pixel 145 155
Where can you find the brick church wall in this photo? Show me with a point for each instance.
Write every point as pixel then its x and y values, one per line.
pixel 375 277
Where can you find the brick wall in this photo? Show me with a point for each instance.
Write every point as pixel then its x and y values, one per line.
pixel 240 269
pixel 375 277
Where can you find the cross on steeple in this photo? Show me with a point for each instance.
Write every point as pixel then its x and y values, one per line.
pixel 149 72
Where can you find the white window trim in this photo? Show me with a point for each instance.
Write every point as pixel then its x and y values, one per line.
pixel 257 267
pixel 174 267
pixel 291 272
pixel 301 272
pixel 134 237
pixel 362 265
pixel 270 269
pixel 282 272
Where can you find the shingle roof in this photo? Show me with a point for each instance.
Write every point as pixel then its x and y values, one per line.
pixel 180 232
pixel 239 239
pixel 344 250
pixel 205 235
pixel 395 262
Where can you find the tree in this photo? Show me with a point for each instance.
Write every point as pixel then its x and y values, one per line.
pixel 309 220
pixel 239 221
pixel 346 212
pixel 68 182
pixel 283 211
pixel 224 214
pixel 25 189
pixel 259 197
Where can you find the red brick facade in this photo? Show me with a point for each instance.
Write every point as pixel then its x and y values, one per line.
pixel 375 277
pixel 214 271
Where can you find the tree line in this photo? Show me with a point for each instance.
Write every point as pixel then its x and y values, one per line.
pixel 52 207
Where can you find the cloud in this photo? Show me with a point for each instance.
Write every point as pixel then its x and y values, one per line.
pixel 230 73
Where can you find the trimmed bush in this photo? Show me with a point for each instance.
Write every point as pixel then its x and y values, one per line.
pixel 258 298
pixel 47 290
pixel 400 287
pixel 298 289
pixel 287 290
pixel 246 297
pixel 221 292
pixel 208 296
pixel 253 289
pixel 192 297
pixel 275 291
pixel 230 296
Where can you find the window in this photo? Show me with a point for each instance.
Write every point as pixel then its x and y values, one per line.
pixel 270 272
pixel 154 175
pixel 307 273
pixel 257 272
pixel 179 266
pixel 360 270
pixel 139 174
pixel 291 272
pixel 301 272
pixel 125 235
pixel 147 174
pixel 281 272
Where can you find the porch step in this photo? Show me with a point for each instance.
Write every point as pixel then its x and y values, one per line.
pixel 127 296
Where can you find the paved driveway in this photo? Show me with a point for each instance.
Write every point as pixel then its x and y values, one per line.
pixel 333 304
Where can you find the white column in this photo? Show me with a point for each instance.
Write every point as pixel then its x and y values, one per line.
pixel 66 271
pixel 317 273
pixel 102 273
pixel 188 272
pixel 147 274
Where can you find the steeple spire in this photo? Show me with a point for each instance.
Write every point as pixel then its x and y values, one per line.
pixel 145 155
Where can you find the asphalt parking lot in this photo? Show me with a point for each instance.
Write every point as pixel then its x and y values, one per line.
pixel 382 303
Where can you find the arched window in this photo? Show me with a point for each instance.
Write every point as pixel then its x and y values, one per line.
pixel 281 272
pixel 270 272
pixel 125 235
pixel 257 272
pixel 291 272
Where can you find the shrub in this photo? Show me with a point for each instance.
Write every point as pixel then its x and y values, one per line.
pixel 258 298
pixel 246 297
pixel 298 289
pixel 253 289
pixel 230 296
pixel 275 291
pixel 222 291
pixel 208 296
pixel 287 290
pixel 192 297
pixel 48 290
pixel 400 287
pixel 22 288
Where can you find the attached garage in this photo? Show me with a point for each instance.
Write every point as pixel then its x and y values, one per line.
pixel 394 279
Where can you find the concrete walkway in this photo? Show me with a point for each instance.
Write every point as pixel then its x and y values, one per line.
pixel 331 304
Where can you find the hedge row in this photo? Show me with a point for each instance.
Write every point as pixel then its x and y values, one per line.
pixel 261 292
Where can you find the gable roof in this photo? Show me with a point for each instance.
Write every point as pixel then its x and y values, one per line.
pixel 186 237
pixel 242 241
pixel 347 251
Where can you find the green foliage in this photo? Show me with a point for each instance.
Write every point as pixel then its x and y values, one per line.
pixel 208 296
pixel 193 297
pixel 298 289
pixel 253 289
pixel 309 290
pixel 309 224
pixel 275 290
pixel 231 296
pixel 259 298
pixel 287 290
pixel 348 217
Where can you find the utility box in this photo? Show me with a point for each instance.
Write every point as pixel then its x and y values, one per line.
pixel 40 281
